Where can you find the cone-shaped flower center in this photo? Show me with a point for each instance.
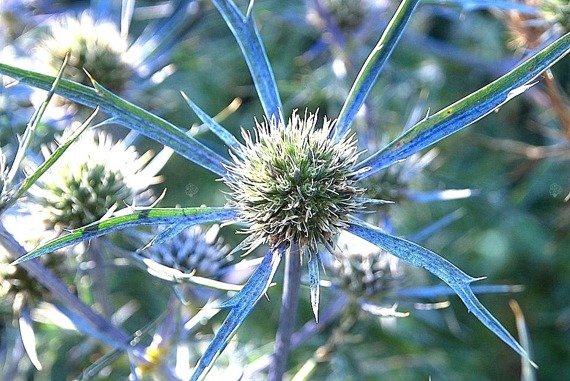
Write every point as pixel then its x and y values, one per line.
pixel 293 183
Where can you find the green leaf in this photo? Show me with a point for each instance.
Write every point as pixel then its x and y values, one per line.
pixel 154 216
pixel 30 180
pixel 126 114
pixel 373 66
pixel 468 110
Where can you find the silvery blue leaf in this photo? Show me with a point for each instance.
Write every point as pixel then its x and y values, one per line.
pixel 467 110
pixel 241 305
pixel 440 267
pixel 247 36
pixel 373 66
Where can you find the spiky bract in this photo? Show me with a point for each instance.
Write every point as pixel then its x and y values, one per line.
pixel 293 184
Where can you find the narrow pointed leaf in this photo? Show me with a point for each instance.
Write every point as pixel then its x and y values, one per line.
pixel 214 126
pixel 31 179
pixel 474 5
pixel 468 110
pixel 126 114
pixel 436 226
pixel 28 336
pixel 440 267
pixel 241 306
pixel 373 66
pixel 187 216
pixel 313 265
pixel 176 276
pixel 33 124
pixel 431 292
pixel 439 195
pixel 168 233
pixel 247 36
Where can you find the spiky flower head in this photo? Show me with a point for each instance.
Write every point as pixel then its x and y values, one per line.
pixel 293 184
pixel 14 280
pixel 193 250
pixel 93 46
pixel 363 269
pixel 94 176
pixel 394 182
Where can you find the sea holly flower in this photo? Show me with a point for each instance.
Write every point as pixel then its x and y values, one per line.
pixel 290 237
pixel 94 176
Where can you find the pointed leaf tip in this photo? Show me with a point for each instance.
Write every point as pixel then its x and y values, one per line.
pixel 241 306
pixel 313 265
pixel 440 267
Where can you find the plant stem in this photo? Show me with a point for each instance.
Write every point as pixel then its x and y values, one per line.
pixel 107 332
pixel 288 314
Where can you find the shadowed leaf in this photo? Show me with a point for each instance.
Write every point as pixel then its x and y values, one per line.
pixel 241 306
pixel 440 267
pixel 468 110
pixel 373 66
pixel 247 36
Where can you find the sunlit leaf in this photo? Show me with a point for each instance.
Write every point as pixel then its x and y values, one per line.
pixel 126 114
pixel 154 216
pixel 28 336
pixel 468 110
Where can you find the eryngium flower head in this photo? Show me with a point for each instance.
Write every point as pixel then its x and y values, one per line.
pixel 294 184
pixel 14 280
pixel 93 46
pixel 193 250
pixel 363 269
pixel 93 176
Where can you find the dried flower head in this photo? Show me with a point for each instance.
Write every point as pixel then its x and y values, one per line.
pixel 94 176
pixel 363 269
pixel 193 250
pixel 93 46
pixel 293 184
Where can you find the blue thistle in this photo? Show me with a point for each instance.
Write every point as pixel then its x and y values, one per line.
pixel 290 235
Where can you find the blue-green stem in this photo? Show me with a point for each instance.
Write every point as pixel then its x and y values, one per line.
pixel 288 314
pixel 110 334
